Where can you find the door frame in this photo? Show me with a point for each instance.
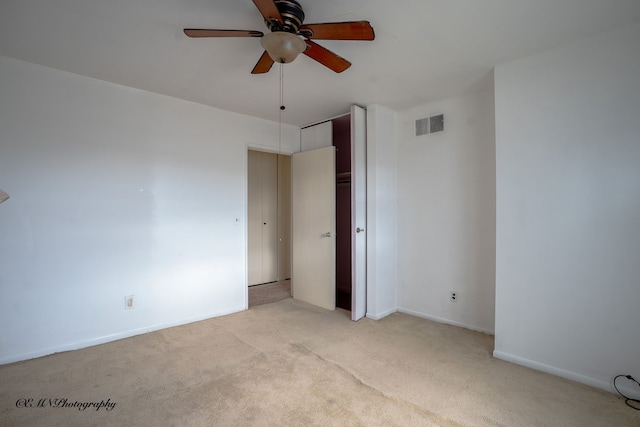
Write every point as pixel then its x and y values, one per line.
pixel 264 149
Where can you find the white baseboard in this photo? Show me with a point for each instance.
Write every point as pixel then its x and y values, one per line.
pixel 573 376
pixel 379 316
pixel 447 321
pixel 114 337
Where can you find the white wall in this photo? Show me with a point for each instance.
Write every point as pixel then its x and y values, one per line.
pixel 446 213
pixel 382 212
pixel 116 192
pixel 568 209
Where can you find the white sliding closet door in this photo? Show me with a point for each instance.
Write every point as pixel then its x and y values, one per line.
pixel 358 212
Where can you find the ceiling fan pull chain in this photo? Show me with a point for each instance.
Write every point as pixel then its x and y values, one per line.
pixel 281 108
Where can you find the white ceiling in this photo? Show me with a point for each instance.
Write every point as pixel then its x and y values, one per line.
pixel 424 50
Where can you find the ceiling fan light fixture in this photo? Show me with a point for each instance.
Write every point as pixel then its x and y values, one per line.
pixel 283 47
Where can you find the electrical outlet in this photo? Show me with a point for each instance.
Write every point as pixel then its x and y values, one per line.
pixel 454 296
pixel 128 302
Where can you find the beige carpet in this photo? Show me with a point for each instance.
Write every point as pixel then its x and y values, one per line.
pixel 287 363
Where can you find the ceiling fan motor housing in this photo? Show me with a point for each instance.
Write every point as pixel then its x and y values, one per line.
pixel 292 16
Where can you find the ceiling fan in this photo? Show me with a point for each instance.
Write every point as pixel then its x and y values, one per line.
pixel 288 36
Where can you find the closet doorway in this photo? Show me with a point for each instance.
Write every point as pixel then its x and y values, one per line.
pixel 347 134
pixel 268 223
pixel 342 141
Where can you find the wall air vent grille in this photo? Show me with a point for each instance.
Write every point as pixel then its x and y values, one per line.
pixel 436 123
pixel 422 127
pixel 430 125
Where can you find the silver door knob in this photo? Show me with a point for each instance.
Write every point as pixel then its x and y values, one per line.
pixel 327 234
pixel 359 230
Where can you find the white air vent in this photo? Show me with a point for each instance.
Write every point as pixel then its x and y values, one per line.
pixel 422 127
pixel 436 123
pixel 430 125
